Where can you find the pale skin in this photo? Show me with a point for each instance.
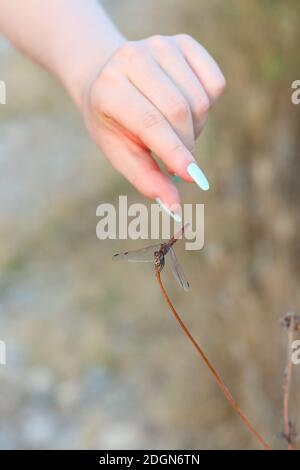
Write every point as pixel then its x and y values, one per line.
pixel 137 98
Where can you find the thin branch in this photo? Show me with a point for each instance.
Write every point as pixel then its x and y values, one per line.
pixel 219 381
pixel 291 322
pixel 286 388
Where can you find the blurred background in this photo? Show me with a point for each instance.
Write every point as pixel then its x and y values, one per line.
pixel 94 357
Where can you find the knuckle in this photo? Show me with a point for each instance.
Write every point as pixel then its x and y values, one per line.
pixel 184 38
pixel 180 111
pixel 130 50
pixel 158 42
pixel 151 119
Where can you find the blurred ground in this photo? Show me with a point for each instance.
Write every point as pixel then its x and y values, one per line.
pixel 95 361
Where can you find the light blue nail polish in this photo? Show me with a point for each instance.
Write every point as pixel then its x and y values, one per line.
pixel 176 179
pixel 174 215
pixel 198 176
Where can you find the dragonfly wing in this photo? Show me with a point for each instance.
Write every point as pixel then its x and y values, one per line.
pixel 145 255
pixel 176 270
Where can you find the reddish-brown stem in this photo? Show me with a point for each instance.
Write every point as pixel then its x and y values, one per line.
pixel 286 387
pixel 219 381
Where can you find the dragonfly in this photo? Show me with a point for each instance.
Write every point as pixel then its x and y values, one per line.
pixel 158 254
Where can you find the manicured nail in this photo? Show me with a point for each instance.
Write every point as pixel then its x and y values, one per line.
pixel 176 179
pixel 175 215
pixel 198 176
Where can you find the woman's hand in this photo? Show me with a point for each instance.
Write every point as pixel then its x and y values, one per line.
pixel 153 96
pixel 150 96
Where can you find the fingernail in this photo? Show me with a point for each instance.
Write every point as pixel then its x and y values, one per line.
pixel 198 176
pixel 176 179
pixel 175 215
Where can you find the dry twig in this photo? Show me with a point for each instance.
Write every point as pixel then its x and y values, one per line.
pixel 219 381
pixel 292 323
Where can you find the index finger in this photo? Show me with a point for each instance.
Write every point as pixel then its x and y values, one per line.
pixel 145 121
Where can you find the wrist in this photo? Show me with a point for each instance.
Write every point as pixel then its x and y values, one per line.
pixel 85 47
pixel 81 67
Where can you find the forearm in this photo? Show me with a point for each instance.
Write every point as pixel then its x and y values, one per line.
pixel 71 38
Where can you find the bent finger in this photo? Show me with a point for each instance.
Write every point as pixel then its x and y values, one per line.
pixel 145 121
